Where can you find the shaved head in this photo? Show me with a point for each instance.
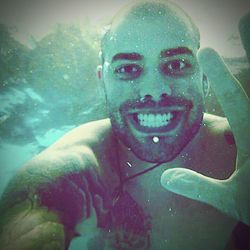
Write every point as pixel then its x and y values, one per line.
pixel 149 68
pixel 149 11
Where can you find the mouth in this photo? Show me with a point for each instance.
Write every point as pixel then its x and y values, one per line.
pixel 157 121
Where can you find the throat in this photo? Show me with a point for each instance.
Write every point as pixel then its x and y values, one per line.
pixel 130 167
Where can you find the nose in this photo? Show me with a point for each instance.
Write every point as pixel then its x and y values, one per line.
pixel 155 91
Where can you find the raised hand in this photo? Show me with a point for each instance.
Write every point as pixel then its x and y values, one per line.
pixel 231 196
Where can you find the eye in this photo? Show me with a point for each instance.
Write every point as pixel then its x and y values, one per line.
pixel 176 67
pixel 128 71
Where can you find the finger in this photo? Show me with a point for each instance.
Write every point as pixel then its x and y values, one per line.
pixel 198 187
pixel 231 96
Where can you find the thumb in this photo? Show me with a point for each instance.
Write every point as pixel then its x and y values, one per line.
pixel 198 187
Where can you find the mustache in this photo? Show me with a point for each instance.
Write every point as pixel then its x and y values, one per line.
pixel 168 101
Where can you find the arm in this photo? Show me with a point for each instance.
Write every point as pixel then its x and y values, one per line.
pixel 44 202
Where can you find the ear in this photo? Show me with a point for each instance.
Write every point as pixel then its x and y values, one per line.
pixel 99 72
pixel 205 85
pixel 99 75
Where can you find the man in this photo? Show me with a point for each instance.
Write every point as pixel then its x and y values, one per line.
pixel 114 181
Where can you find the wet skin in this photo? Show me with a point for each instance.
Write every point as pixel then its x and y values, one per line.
pixel 78 188
pixel 70 186
pixel 156 78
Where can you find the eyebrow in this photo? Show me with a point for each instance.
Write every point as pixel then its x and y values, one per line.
pixel 176 51
pixel 127 56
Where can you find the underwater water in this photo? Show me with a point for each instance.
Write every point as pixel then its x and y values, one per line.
pixel 51 88
pixel 45 91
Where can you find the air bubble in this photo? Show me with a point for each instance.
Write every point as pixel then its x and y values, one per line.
pixel 129 164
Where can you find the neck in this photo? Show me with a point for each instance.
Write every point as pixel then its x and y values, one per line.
pixel 130 165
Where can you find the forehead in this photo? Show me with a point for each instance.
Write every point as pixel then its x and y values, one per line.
pixel 149 37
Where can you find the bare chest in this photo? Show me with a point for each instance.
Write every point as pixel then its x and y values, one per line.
pixel 180 223
pixel 177 222
pixel 148 217
pixel 155 219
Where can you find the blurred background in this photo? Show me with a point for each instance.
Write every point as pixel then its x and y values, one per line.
pixel 48 55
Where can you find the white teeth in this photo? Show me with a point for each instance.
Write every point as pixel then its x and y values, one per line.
pixel 151 120
pixel 154 120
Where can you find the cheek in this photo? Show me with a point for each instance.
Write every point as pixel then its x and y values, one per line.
pixel 189 87
pixel 112 90
pixel 116 97
pixel 120 92
pixel 194 92
pixel 196 79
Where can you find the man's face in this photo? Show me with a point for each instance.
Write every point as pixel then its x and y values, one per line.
pixel 153 87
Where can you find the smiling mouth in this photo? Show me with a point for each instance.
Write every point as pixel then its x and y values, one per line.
pixel 161 121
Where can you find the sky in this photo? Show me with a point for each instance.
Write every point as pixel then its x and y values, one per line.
pixel 216 19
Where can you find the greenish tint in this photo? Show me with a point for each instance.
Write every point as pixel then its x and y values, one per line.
pixel 50 85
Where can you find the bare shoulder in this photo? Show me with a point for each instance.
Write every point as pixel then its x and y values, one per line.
pixel 78 146
pixel 88 134
pixel 75 148
pixel 73 154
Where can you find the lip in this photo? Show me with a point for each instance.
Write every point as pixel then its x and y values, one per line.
pixel 178 112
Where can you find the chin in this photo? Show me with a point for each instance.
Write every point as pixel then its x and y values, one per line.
pixel 169 146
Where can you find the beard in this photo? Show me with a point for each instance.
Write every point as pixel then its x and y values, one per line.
pixel 167 147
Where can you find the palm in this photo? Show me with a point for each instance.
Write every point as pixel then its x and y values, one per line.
pixel 231 196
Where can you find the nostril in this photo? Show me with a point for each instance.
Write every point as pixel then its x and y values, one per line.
pixel 164 95
pixel 146 98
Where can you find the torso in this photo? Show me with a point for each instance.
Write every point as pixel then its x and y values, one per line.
pixel 177 222
pixel 163 220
